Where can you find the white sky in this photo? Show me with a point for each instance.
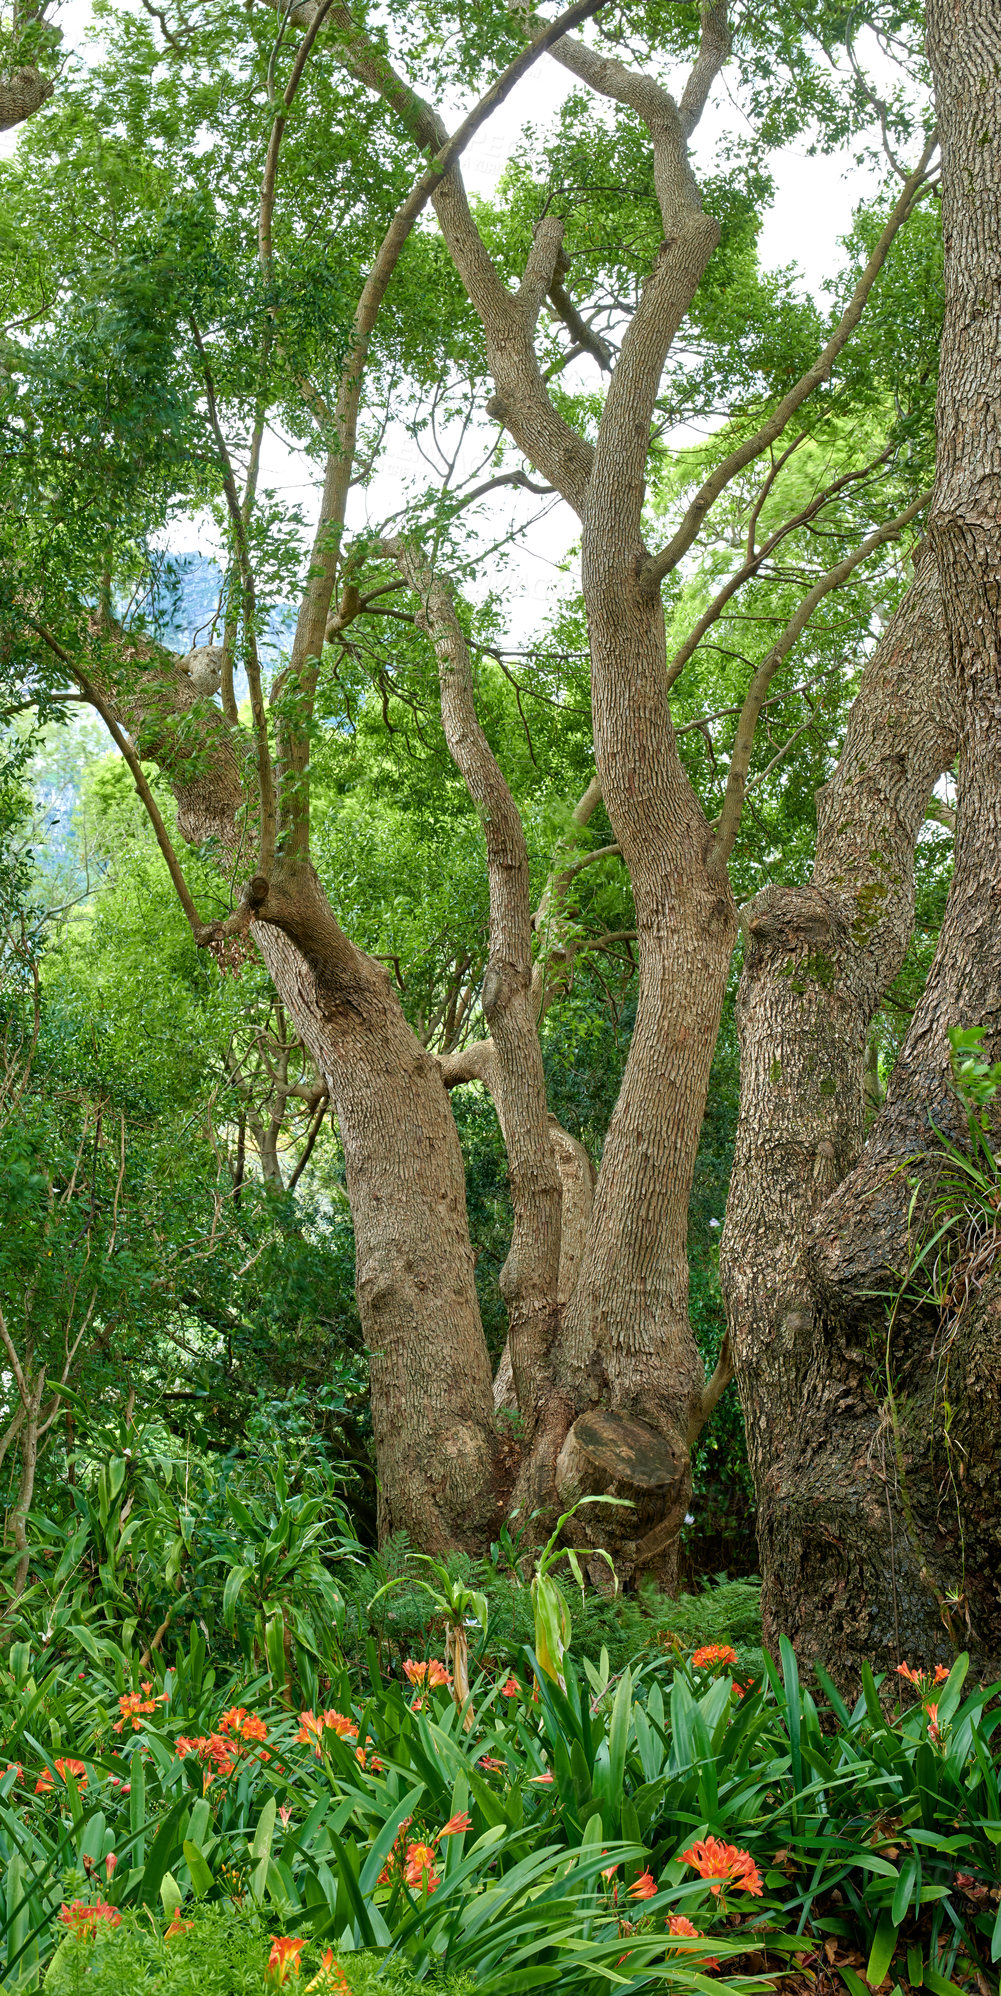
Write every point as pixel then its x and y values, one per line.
pixel 813 208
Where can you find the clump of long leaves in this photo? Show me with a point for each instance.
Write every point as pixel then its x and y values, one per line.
pixel 546 1841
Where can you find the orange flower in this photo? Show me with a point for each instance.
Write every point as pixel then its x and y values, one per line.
pixel 713 1653
pixel 547 1777
pixel 418 1867
pixel 44 1784
pixel 723 1864
pixel 512 1689
pixel 312 1729
pixel 933 1731
pixel 283 1960
pixel 456 1826
pixel 644 1887
pixel 491 1764
pixel 373 1766
pixel 178 1926
pixel 331 1977
pixel 912 1676
pixel 683 1929
pixel 432 1675
pixel 133 1705
pixel 83 1920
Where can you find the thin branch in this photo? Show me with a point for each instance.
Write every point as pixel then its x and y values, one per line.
pixel 736 786
pixel 753 563
pixel 265 773
pixel 199 929
pixel 314 1131
pixel 660 565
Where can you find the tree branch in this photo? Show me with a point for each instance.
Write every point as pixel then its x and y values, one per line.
pixel 736 785
pixel 660 565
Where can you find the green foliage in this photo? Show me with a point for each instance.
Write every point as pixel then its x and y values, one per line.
pixel 874 1828
pixel 222 1951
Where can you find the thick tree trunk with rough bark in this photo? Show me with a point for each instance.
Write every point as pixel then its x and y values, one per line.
pixel 432 1399
pixel 879 1514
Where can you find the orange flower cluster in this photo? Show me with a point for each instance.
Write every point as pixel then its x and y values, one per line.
pixel 922 1679
pixel 924 1682
pixel 134 1705
pixel 220 1750
pixel 243 1725
pixel 312 1727
pixel 45 1783
pixel 712 1654
pixel 431 1676
pixel 723 1865
pixel 644 1887
pixel 418 1867
pixel 283 1960
pixel 415 1861
pixel 683 1929
pixel 83 1920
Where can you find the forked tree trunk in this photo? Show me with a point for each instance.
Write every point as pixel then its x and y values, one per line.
pixel 875 1435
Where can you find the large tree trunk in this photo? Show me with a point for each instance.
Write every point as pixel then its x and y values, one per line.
pixel 875 1434
pixel 432 1400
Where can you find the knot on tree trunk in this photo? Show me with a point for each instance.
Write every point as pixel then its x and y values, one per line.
pixel 21 94
pixel 615 1455
pixel 796 919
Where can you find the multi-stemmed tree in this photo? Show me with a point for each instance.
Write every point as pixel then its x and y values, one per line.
pixel 603 253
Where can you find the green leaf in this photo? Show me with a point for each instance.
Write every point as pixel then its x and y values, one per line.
pixel 235 1580
pixel 882 1950
pixel 201 1877
pixel 170 1895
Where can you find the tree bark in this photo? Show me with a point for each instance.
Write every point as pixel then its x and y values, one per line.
pixel 432 1402
pixel 875 1432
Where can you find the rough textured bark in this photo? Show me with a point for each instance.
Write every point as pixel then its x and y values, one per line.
pixel 865 1238
pixel 841 1575
pixel 628 1339
pixel 432 1403
pixel 880 1520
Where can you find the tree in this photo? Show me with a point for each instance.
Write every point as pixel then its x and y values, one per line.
pixel 180 351
pixel 881 1511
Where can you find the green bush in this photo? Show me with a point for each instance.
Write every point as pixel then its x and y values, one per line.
pixel 222 1951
